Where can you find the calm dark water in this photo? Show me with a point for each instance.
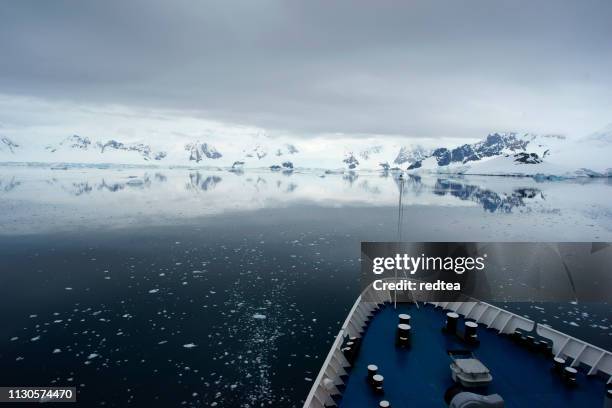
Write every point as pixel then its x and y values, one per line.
pixel 216 289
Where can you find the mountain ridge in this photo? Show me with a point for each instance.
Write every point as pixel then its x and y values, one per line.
pixel 498 153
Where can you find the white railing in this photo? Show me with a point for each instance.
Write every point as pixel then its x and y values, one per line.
pixel 335 364
pixel 580 352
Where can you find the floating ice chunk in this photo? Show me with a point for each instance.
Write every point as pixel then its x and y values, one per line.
pixel 154 291
pixel 189 345
pixel 35 338
pixel 259 316
pixel 92 355
pixel 57 351
pixel 14 338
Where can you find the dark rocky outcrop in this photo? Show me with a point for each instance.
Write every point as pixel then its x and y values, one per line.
pixel 527 158
pixel 351 161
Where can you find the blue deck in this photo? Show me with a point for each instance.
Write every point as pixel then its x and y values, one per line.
pixel 419 377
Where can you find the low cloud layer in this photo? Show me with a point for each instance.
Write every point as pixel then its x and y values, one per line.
pixel 418 68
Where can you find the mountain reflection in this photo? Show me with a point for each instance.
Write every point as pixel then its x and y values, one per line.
pixel 199 182
pixel 112 187
pixel 263 188
pixel 490 200
pixel 350 177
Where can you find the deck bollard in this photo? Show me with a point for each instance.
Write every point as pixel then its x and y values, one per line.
pixel 470 331
pixel 558 364
pixel 372 371
pixel 569 375
pixel 377 383
pixel 516 335
pixel 349 352
pixel 531 342
pixel 544 347
pixel 404 318
pixel 402 337
pixel 451 322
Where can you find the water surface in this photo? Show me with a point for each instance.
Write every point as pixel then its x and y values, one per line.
pixel 160 287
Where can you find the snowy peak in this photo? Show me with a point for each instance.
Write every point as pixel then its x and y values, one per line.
pixel 83 144
pixel 495 154
pixel 351 161
pixel 258 151
pixel 210 152
pixel 199 151
pixel 411 155
pixel 523 155
pixel 145 150
pixel 366 153
pixel 287 149
pixel 291 149
pixel 8 145
pixel 494 144
pixel 73 142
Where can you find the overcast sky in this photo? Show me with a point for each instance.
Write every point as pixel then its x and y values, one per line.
pixel 414 68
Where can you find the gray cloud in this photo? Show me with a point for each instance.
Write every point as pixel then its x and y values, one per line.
pixel 422 69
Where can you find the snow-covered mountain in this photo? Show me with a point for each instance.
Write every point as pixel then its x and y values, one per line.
pixel 81 149
pixel 497 154
pixel 145 150
pixel 493 145
pixel 525 155
pixel 200 151
pixel 248 152
pixel 382 156
pixel 409 155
